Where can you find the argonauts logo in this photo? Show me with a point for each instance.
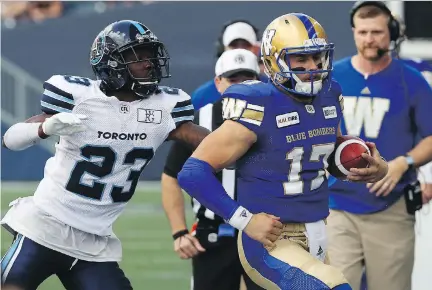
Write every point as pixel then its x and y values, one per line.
pixel 97 49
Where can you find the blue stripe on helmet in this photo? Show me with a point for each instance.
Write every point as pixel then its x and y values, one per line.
pixel 308 24
pixel 139 27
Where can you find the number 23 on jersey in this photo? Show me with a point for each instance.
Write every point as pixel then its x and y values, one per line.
pixel 104 168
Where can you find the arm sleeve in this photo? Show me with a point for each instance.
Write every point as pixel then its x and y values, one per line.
pixel 177 156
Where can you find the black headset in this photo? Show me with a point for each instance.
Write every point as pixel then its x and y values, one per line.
pixel 393 24
pixel 220 48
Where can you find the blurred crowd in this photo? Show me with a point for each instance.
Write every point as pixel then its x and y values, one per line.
pixel 13 13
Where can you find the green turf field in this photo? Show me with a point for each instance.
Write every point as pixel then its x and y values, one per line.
pixel 148 257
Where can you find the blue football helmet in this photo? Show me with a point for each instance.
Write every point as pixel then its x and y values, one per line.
pixel 107 58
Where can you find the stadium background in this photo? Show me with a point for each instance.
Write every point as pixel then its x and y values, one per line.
pixel 34 49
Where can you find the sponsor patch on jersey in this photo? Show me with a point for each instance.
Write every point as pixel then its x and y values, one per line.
pixel 330 112
pixel 288 119
pixel 149 116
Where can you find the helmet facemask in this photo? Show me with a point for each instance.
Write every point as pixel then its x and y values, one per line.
pixel 156 67
pixel 288 77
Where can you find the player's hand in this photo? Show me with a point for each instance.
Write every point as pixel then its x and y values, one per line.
pixel 265 228
pixel 376 170
pixel 397 168
pixel 187 246
pixel 426 192
pixel 62 124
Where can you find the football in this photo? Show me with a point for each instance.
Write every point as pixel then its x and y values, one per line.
pixel 347 155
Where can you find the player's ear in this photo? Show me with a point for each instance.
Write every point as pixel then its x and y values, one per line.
pixel 217 82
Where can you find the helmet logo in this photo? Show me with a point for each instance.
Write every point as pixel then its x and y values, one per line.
pixel 97 49
pixel 267 41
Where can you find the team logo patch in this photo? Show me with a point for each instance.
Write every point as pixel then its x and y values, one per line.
pixel 310 109
pixel 288 119
pixel 330 112
pixel 149 116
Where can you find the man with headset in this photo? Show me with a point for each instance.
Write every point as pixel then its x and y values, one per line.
pixel 386 102
pixel 235 34
pixel 212 243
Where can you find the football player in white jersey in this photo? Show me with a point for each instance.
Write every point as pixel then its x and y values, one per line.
pixel 109 130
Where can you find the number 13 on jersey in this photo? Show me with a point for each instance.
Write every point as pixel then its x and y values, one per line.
pixel 296 184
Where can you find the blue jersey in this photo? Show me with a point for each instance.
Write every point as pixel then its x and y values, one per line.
pixel 207 93
pixel 283 172
pixel 388 108
pixel 422 66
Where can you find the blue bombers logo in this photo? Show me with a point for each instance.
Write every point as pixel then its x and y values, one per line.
pixel 97 49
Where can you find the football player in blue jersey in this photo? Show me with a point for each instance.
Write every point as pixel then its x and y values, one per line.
pixel 280 135
pixel 386 102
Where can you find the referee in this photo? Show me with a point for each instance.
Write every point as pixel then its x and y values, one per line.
pixel 212 243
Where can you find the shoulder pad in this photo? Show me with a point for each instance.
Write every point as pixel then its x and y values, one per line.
pixel 68 84
pixel 177 94
pixel 335 88
pixel 182 110
pixel 247 90
pixel 61 93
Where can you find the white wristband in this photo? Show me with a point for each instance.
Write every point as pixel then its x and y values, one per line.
pixel 21 136
pixel 240 218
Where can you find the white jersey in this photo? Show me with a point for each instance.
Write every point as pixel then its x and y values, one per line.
pixel 93 174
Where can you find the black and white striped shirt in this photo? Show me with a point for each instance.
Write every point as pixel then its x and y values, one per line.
pixel 210 117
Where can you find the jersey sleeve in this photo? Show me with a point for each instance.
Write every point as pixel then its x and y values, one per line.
pixel 183 110
pixel 57 96
pixel 242 104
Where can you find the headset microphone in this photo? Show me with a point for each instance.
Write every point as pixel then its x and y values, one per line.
pixel 381 52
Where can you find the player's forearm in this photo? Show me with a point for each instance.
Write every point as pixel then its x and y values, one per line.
pixel 198 179
pixel 189 134
pixel 422 153
pixel 173 203
pixel 22 136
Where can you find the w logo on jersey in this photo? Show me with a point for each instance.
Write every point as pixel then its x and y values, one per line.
pixel 365 113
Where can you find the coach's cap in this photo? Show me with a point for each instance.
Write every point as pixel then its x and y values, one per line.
pixel 239 30
pixel 236 60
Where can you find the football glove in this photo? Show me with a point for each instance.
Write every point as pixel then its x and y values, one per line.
pixel 63 124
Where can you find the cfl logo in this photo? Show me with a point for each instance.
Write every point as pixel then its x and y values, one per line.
pixel 124 109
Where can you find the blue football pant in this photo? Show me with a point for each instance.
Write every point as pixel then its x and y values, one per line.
pixel 27 264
